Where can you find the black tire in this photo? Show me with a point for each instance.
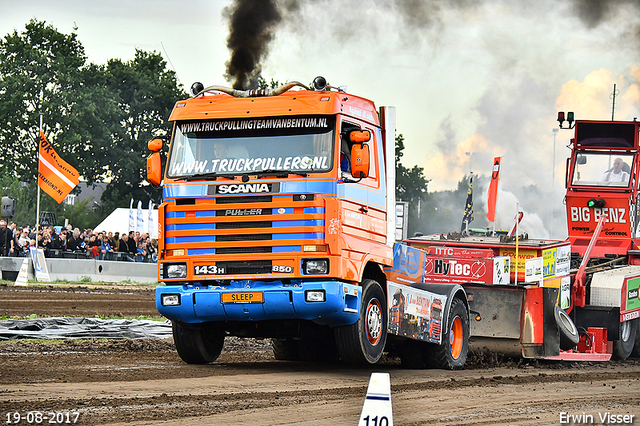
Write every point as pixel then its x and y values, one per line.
pixel 623 347
pixel 636 347
pixel 451 354
pixel 285 349
pixel 198 343
pixel 364 341
pixel 569 335
pixel 414 354
pixel 321 349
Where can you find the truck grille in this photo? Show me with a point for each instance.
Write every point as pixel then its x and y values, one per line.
pixel 244 225
pixel 242 268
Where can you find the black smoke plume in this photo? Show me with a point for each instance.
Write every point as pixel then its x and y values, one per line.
pixel 594 12
pixel 251 29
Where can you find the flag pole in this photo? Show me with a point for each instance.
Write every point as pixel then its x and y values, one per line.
pixel 517 239
pixel 38 179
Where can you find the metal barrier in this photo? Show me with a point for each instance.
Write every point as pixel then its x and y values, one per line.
pixel 79 269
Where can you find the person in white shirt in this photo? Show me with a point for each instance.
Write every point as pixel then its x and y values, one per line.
pixel 616 174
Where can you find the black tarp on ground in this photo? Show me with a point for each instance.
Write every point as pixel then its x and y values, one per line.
pixel 83 328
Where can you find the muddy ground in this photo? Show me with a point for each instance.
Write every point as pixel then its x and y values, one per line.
pixel 145 382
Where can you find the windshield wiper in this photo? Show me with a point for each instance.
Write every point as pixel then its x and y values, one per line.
pixel 278 173
pixel 209 175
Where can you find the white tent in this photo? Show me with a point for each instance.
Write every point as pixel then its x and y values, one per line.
pixel 118 221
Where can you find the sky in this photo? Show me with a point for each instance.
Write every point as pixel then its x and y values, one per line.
pixel 470 80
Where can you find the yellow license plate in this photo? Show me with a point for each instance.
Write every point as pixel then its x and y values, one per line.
pixel 242 297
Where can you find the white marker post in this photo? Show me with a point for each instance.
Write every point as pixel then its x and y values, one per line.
pixel 377 410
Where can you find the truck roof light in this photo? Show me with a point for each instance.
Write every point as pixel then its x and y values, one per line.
pixel 560 117
pixel 599 203
pixel 196 88
pixel 570 117
pixel 319 83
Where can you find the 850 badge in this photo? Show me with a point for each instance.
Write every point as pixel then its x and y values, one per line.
pixel 209 270
pixel 278 269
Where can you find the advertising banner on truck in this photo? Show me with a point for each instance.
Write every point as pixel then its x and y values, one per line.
pixel 415 313
pixel 631 299
pixel 583 220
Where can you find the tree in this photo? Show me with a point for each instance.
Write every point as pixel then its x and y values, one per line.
pixel 40 73
pixel 97 117
pixel 411 186
pixel 146 93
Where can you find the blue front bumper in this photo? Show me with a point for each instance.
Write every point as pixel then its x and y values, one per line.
pixel 201 303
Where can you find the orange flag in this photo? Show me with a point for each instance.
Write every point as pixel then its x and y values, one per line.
pixel 55 176
pixel 493 190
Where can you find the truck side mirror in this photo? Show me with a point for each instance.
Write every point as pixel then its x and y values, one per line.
pixel 154 145
pixel 154 173
pixel 360 160
pixel 360 136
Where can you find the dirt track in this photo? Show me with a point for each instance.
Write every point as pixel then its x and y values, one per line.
pixel 144 381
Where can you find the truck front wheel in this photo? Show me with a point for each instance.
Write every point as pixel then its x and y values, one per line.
pixel 623 347
pixel 198 343
pixel 452 352
pixel 364 341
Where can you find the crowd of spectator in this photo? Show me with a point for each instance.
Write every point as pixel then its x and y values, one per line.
pixel 71 242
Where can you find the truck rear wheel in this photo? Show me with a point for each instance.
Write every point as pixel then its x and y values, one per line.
pixel 285 349
pixel 198 343
pixel 623 347
pixel 636 347
pixel 451 354
pixel 364 341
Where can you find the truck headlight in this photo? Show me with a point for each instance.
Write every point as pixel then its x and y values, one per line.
pixel 170 300
pixel 177 270
pixel 315 266
pixel 315 296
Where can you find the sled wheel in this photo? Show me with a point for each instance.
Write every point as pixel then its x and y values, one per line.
pixel 569 336
pixel 451 354
pixel 636 347
pixel 198 343
pixel 623 347
pixel 363 342
pixel 285 349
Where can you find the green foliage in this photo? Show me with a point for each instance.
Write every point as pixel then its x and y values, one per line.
pixel 445 210
pixel 411 186
pixel 263 84
pixel 97 117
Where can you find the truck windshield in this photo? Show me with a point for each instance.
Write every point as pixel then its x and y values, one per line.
pixel 301 144
pixel 602 169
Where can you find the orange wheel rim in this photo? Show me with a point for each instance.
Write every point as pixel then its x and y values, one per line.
pixel 456 337
pixel 374 322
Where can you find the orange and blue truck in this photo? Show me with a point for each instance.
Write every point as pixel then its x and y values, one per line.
pixel 278 221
